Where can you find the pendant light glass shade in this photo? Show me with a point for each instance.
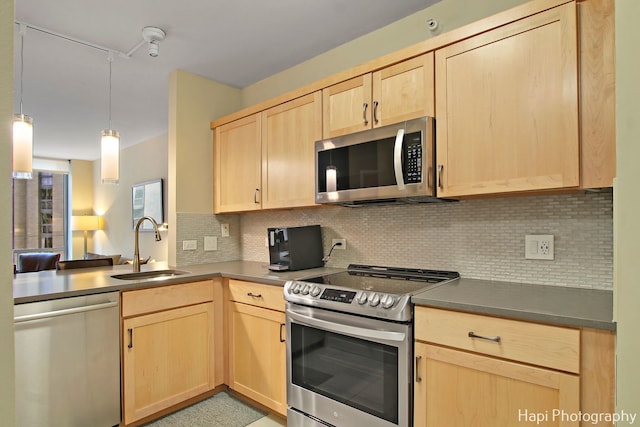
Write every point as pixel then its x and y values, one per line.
pixel 22 146
pixel 110 146
pixel 110 156
pixel 22 129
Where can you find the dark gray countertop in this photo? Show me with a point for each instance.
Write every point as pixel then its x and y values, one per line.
pixel 549 304
pixel 541 303
pixel 53 284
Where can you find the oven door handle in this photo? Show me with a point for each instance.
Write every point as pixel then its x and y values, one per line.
pixel 347 329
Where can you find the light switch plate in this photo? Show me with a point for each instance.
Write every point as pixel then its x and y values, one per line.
pixel 189 245
pixel 210 243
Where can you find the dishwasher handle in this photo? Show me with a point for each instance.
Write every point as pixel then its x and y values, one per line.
pixel 65 312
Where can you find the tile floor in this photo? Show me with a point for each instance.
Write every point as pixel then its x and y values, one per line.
pixel 269 421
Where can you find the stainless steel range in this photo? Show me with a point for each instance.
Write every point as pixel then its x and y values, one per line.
pixel 350 346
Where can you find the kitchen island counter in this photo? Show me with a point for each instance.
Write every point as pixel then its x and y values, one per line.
pixel 560 305
pixel 54 284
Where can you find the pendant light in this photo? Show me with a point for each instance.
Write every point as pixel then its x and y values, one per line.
pixel 22 129
pixel 110 146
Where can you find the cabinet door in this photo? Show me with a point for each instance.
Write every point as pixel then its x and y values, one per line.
pixel 289 132
pixel 257 361
pixel 346 107
pixel 168 358
pixel 237 157
pixel 507 108
pixel 460 389
pixel 404 91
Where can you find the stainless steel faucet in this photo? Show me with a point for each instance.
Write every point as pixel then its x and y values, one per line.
pixel 136 246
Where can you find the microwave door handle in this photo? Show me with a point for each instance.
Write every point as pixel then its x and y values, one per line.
pixel 397 159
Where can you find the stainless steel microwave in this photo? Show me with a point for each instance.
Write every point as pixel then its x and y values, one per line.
pixel 389 164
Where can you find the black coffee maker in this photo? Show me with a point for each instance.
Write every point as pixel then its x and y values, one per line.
pixel 295 248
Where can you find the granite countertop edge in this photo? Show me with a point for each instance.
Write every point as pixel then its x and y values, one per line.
pixel 539 303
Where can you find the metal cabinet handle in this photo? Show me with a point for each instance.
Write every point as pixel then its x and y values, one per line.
pixel 281 339
pixel 364 113
pixel 251 294
pixel 440 183
pixel 375 112
pixel 473 335
pixel 418 377
pixel 256 194
pixel 130 331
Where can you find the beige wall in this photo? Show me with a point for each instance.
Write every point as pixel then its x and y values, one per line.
pixel 627 206
pixel 142 162
pixel 450 14
pixel 81 203
pixel 7 412
pixel 193 102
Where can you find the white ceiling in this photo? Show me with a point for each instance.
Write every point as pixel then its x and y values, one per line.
pixel 236 42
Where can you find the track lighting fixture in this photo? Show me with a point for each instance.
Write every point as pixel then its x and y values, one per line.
pixel 153 35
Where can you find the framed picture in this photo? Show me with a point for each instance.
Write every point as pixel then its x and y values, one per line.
pixel 147 200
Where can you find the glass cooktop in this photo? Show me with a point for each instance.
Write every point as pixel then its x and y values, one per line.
pixel 389 280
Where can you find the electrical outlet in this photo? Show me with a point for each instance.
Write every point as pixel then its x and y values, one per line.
pixel 539 246
pixel 342 246
pixel 224 230
pixel 189 245
pixel 210 243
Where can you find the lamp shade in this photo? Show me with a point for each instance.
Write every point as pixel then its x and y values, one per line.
pixel 85 223
pixel 110 156
pixel 22 146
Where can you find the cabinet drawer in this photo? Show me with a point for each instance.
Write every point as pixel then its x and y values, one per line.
pixel 543 345
pixel 166 297
pixel 266 296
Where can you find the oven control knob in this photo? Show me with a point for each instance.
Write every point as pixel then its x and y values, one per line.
pixel 305 289
pixel 295 288
pixel 362 298
pixel 374 300
pixel 387 301
pixel 315 290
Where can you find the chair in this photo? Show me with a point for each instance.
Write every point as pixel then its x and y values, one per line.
pixel 85 263
pixel 37 261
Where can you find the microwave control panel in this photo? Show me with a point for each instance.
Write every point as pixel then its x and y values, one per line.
pixel 413 161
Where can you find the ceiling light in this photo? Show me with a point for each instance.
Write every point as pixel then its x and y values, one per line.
pixel 22 129
pixel 153 35
pixel 110 146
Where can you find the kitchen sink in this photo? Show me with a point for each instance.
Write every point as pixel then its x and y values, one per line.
pixel 154 274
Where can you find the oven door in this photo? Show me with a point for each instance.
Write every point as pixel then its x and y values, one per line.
pixel 348 370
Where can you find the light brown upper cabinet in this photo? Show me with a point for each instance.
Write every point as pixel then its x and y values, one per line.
pixel 399 92
pixel 507 108
pixel 529 105
pixel 288 135
pixel 266 160
pixel 237 160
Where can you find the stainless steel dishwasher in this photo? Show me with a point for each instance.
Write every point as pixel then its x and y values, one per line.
pixel 68 362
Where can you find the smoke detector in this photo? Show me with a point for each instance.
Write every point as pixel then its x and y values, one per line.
pixel 153 35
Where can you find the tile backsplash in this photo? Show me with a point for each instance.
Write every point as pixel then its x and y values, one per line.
pixel 481 238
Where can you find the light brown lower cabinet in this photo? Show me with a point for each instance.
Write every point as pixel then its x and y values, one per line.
pixel 257 347
pixel 168 347
pixel 483 371
pixel 458 388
